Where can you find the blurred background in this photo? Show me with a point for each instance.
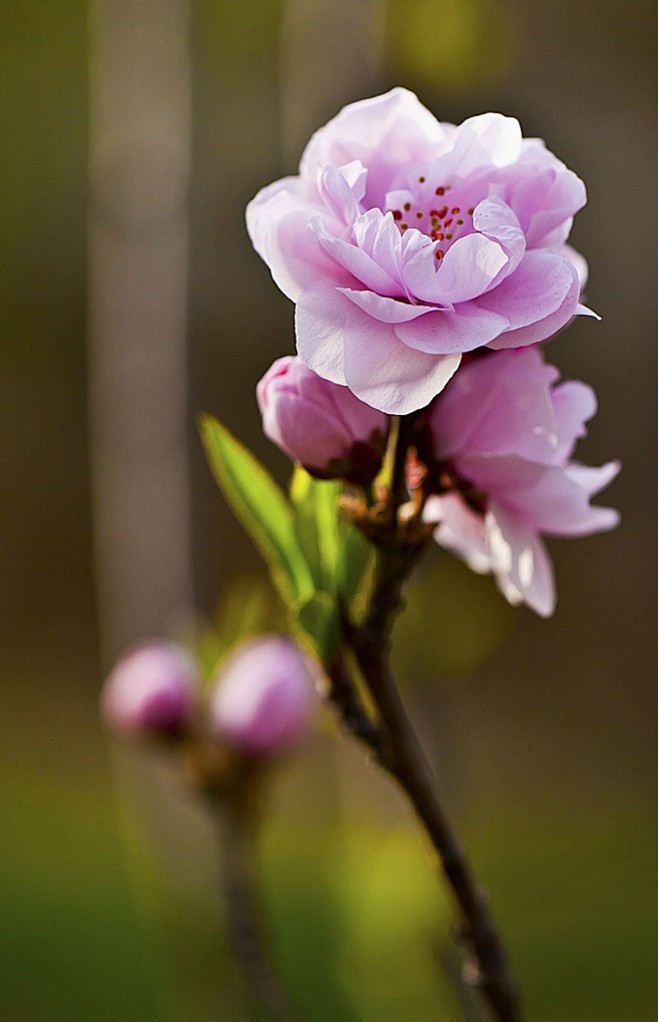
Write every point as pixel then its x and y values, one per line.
pixel 134 135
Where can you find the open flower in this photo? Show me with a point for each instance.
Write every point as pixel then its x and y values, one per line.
pixel 405 242
pixel 320 424
pixel 503 434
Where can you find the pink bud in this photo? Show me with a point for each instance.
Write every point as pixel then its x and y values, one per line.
pixel 264 696
pixel 321 424
pixel 152 688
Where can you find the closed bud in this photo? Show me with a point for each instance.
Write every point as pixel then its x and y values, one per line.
pixel 152 689
pixel 264 696
pixel 320 424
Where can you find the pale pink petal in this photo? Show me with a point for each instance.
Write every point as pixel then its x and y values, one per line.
pixel 358 263
pixel 578 262
pixel 277 221
pixel 500 404
pixel 496 220
pixel 386 310
pixel 593 480
pixel 542 496
pixel 460 530
pixel 520 562
pixel 385 133
pixel 320 318
pixel 487 140
pixel 338 193
pixel 377 235
pixel 575 404
pixel 382 373
pixel 467 270
pixel 538 287
pixel 545 196
pixel 446 332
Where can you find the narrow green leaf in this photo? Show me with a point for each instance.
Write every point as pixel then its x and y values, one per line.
pixel 318 619
pixel 355 565
pixel 317 525
pixel 260 506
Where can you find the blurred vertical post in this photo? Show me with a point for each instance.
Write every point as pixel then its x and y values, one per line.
pixel 138 275
pixel 331 54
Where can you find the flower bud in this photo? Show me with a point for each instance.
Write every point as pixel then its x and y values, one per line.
pixel 264 696
pixel 321 424
pixel 152 688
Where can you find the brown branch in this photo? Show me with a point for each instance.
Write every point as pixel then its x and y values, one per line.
pixel 395 745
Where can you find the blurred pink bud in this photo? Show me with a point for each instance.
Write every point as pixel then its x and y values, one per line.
pixel 321 424
pixel 152 688
pixel 264 696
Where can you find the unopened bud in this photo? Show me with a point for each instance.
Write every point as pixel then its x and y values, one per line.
pixel 264 696
pixel 152 689
pixel 321 424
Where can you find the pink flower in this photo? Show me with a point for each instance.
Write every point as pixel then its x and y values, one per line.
pixel 264 696
pixel 405 242
pixel 153 687
pixel 503 436
pixel 320 424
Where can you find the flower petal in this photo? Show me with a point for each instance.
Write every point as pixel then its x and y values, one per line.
pixel 500 404
pixel 575 404
pixel 385 374
pixel 460 530
pixel 545 497
pixel 539 298
pixel 469 267
pixel 277 221
pixel 386 310
pixel 386 132
pixel 520 563
pixel 356 261
pixel 446 332
pixel 319 327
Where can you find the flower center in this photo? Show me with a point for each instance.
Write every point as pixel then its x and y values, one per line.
pixel 433 211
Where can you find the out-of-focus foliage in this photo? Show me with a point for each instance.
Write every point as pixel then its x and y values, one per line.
pixel 453 620
pixel 455 44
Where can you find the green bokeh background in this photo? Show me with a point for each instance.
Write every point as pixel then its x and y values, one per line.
pixel 541 731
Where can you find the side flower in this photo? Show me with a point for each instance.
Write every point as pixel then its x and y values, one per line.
pixel 320 424
pixel 502 434
pixel 405 242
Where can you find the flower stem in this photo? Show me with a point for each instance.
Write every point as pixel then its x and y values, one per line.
pixel 392 740
pixel 401 755
pixel 235 822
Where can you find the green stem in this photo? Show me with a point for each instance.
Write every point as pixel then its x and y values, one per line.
pixel 235 820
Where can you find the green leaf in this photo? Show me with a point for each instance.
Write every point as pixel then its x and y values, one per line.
pixel 337 553
pixel 260 506
pixel 319 622
pixel 317 525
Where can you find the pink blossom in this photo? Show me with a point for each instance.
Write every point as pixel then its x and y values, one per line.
pixel 405 242
pixel 153 687
pixel 264 696
pixel 320 424
pixel 503 435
